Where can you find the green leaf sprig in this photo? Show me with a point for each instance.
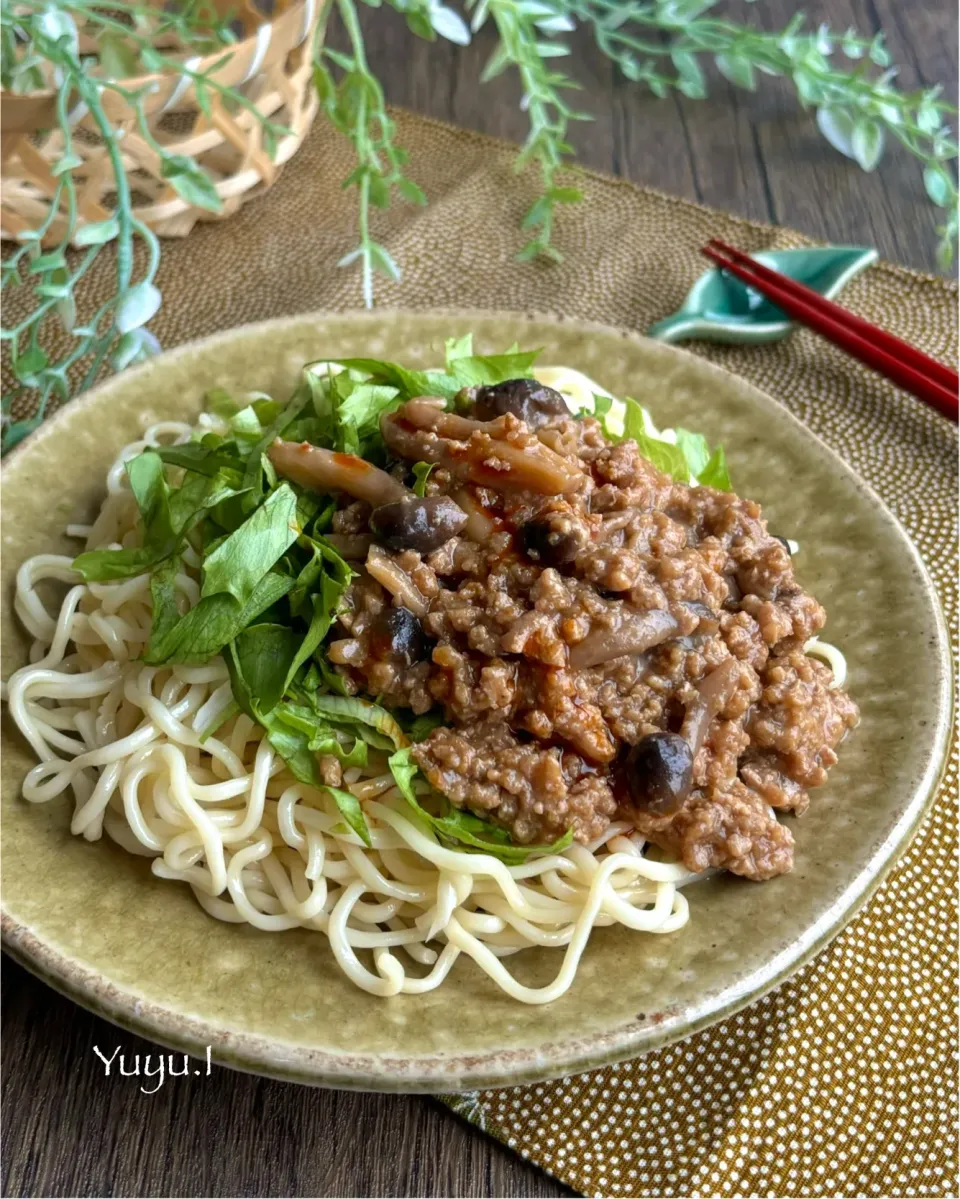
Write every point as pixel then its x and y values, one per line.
pixel 40 48
pixel 526 43
pixel 665 45
pixel 847 80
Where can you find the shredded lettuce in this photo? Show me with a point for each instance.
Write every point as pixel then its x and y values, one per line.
pixel 352 812
pixel 294 747
pixel 458 347
pixel 163 594
pixel 202 457
pixel 407 383
pixel 220 403
pixel 420 727
pixel 211 624
pixel 462 827
pixel 365 716
pixel 481 371
pixel 715 473
pixel 664 456
pixel 683 455
pixel 351 409
pixel 166 518
pixel 385 385
pixel 260 659
pixel 238 564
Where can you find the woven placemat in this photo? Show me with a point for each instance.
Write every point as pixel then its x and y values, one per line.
pixel 842 1081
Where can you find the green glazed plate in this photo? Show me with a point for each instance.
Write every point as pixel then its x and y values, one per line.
pixel 721 308
pixel 93 922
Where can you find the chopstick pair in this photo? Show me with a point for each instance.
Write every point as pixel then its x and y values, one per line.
pixel 900 362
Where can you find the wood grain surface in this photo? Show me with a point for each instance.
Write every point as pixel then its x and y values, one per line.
pixel 70 1130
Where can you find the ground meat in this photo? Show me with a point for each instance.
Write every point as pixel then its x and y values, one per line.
pixel 734 830
pixel 763 774
pixel 351 518
pixel 799 717
pixel 533 741
pixel 330 770
pixel 538 793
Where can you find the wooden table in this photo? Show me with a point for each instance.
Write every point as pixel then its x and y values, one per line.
pixel 68 1130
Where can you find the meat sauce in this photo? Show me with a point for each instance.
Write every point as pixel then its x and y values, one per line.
pixel 586 633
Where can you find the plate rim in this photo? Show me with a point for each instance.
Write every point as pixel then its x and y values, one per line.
pixel 287 1061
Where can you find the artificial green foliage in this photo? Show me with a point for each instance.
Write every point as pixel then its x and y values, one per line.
pixel 846 81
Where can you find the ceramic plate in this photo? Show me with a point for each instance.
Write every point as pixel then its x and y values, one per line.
pixel 94 923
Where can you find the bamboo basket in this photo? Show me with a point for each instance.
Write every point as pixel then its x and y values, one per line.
pixel 270 64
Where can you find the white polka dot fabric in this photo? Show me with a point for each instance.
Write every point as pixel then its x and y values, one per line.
pixel 843 1081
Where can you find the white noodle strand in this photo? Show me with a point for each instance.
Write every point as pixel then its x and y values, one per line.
pixel 257 847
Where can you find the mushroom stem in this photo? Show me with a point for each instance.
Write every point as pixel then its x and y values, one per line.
pixel 479 527
pixel 353 546
pixel 327 470
pixel 633 635
pixel 478 451
pixel 396 580
pixel 713 693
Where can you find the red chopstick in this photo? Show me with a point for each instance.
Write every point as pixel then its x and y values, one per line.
pixel 907 352
pixel 900 362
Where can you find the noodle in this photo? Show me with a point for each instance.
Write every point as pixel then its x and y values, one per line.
pixel 160 760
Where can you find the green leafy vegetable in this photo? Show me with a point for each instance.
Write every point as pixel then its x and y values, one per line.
pixel 417 728
pixel 364 716
pixel 261 659
pixel 197 456
pixel 245 425
pixel 688 457
pixel 323 736
pixel 695 449
pixel 294 747
pixel 254 472
pixel 220 720
pixel 325 573
pixel 352 813
pixel 484 371
pixel 664 456
pixel 715 473
pixel 421 472
pixel 384 385
pixel 327 675
pixel 601 410
pixel 463 827
pixel 166 519
pixel 149 487
pixel 220 402
pixel 407 383
pixel 709 467
pixel 458 347
pixel 164 598
pixel 358 410
pixel 100 566
pixel 199 495
pixel 238 564
pixel 207 627
pixel 320 621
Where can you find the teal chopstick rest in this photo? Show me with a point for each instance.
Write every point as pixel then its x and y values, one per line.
pixel 721 308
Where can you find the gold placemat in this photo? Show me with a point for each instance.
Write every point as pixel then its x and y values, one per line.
pixel 840 1082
